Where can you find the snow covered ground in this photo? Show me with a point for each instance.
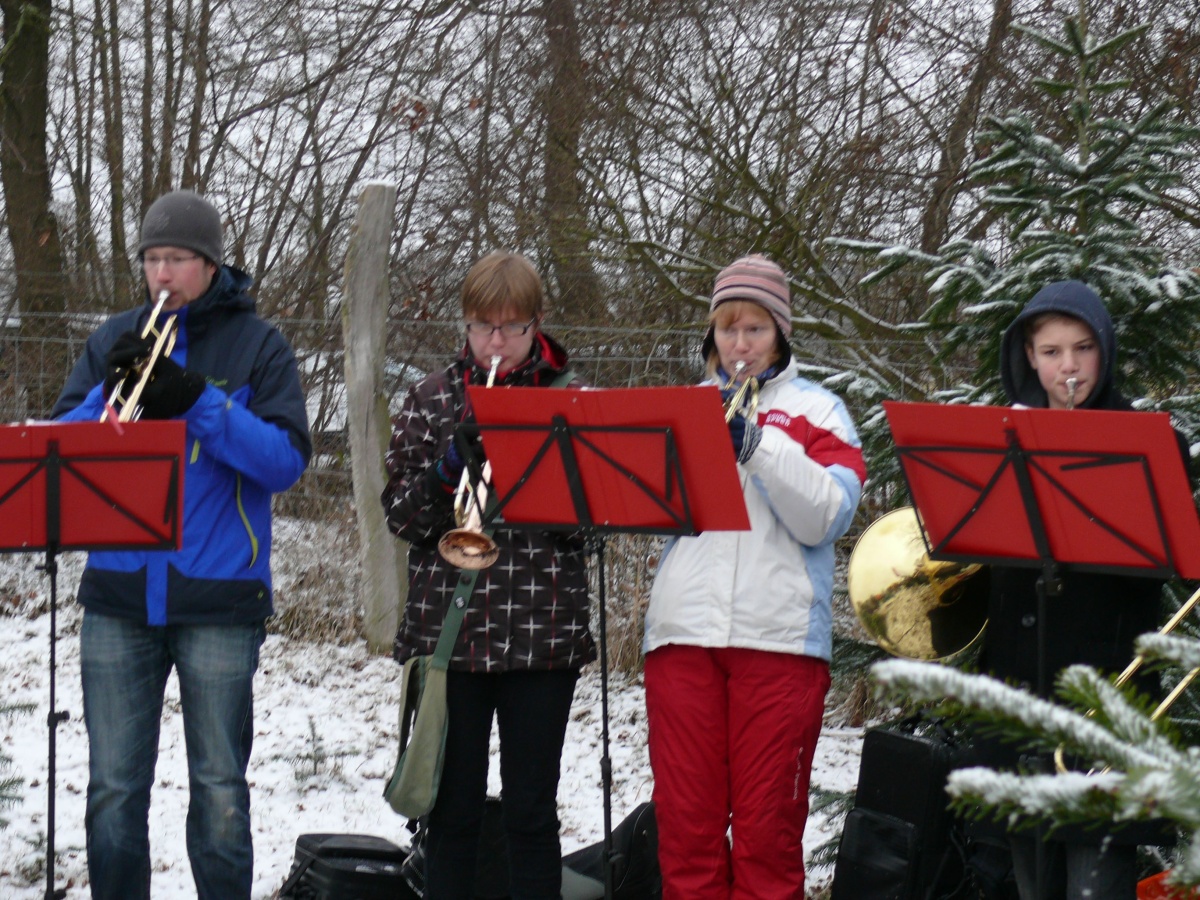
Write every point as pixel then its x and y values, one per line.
pixel 325 724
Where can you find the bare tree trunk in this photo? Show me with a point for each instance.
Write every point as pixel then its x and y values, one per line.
pixel 197 57
pixel 364 328
pixel 566 103
pixel 954 150
pixel 25 172
pixel 113 99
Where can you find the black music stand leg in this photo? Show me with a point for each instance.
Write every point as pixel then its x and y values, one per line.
pixel 1049 585
pixel 597 543
pixel 53 718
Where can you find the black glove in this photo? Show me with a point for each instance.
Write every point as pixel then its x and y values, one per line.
pixel 745 435
pixel 171 391
pixel 128 350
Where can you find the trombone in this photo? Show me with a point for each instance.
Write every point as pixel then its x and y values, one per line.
pixel 1132 669
pixel 744 401
pixel 164 342
pixel 466 546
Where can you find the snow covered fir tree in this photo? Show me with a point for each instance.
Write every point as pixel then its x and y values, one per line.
pixel 1084 189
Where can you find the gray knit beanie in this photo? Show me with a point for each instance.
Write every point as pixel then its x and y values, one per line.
pixel 183 219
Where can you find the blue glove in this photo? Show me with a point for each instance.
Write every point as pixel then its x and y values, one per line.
pixel 450 466
pixel 454 459
pixel 745 435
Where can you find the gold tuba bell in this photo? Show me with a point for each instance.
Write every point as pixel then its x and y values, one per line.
pixel 912 606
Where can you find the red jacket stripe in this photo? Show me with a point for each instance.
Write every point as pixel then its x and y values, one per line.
pixel 821 445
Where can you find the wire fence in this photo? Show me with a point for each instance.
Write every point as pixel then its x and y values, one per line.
pixel 33 368
pixel 34 365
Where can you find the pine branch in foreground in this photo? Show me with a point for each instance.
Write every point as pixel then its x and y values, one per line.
pixel 1141 771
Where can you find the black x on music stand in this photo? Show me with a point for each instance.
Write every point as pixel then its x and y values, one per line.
pixel 1086 490
pixel 84 486
pixel 596 462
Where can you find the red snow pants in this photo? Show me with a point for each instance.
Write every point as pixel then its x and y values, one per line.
pixel 732 737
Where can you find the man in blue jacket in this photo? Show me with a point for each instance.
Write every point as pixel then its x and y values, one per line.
pixel 200 610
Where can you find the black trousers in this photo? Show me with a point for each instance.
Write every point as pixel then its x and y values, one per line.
pixel 531 709
pixel 1102 871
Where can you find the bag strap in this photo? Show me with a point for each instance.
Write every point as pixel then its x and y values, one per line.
pixel 467 578
pixel 454 615
pixel 293 879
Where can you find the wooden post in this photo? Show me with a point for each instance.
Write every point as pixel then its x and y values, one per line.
pixel 368 425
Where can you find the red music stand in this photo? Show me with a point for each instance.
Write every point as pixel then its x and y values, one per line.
pixel 632 460
pixel 1094 490
pixel 83 486
pixel 1084 490
pixel 1081 490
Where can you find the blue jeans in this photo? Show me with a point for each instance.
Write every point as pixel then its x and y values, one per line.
pixel 125 667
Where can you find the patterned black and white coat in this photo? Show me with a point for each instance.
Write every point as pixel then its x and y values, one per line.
pixel 528 611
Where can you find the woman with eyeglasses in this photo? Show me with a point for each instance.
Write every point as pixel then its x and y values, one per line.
pixel 525 633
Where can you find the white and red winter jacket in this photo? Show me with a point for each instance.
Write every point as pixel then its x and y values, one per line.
pixel 770 588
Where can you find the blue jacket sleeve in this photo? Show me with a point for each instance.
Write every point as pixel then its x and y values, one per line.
pixel 84 384
pixel 87 410
pixel 231 433
pixel 261 430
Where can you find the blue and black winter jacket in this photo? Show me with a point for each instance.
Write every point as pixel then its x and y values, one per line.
pixel 247 438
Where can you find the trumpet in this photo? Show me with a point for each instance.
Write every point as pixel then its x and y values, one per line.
pixel 744 401
pixel 164 342
pixel 466 546
pixel 1072 386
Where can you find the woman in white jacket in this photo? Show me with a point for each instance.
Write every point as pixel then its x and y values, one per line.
pixel 739 628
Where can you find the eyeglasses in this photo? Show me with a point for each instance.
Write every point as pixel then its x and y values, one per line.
pixel 171 262
pixel 508 329
pixel 751 332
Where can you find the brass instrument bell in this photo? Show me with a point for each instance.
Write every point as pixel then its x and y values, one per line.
pixel 911 606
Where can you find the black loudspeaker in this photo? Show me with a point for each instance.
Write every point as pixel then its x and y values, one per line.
pixel 896 843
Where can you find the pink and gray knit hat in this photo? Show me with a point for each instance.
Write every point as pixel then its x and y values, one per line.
pixel 755 279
